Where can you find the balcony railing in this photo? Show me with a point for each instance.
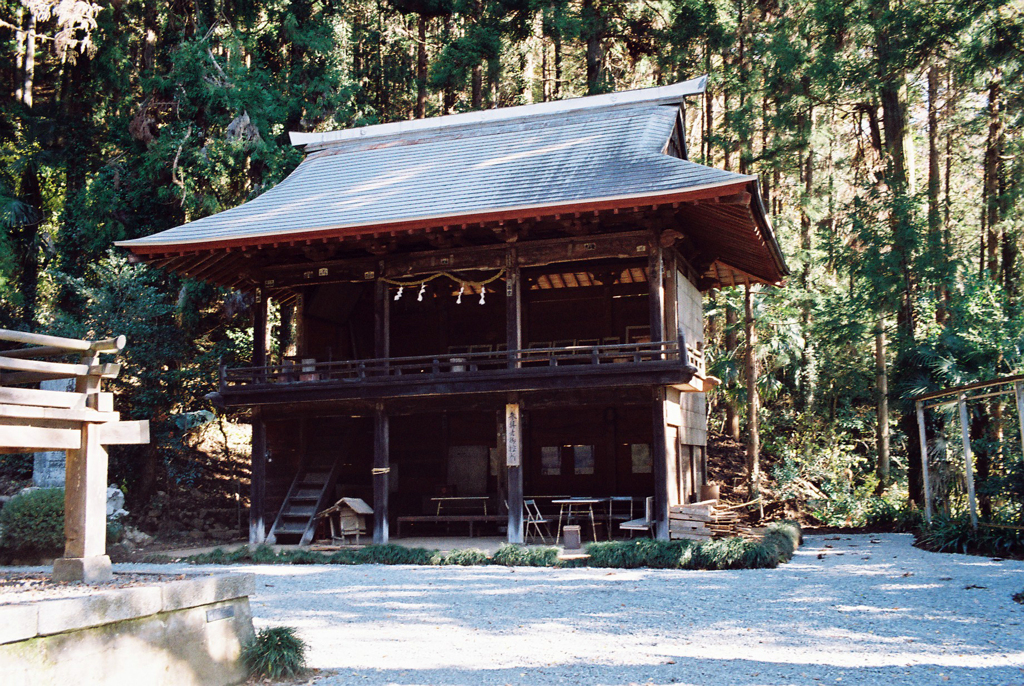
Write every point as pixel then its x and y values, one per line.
pixel 628 363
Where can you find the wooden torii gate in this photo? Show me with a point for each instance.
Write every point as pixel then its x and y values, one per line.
pixel 81 422
pixel 960 395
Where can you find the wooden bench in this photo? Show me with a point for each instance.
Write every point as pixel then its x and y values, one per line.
pixel 470 519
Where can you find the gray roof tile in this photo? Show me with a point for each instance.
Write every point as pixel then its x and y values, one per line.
pixel 559 159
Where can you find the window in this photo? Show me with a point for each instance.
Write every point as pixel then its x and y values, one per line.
pixel 551 461
pixel 641 458
pixel 583 459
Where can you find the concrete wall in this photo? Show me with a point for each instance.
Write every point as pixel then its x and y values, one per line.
pixel 182 633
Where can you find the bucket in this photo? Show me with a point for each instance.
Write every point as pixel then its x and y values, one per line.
pixel 709 492
pixel 571 535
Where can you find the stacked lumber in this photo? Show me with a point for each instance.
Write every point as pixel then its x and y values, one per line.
pixel 705 520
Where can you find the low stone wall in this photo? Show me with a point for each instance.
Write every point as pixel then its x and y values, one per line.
pixel 180 633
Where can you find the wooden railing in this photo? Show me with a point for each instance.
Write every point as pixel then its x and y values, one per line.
pixel 466 365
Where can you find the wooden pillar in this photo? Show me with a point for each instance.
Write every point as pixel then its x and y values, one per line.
pixel 381 468
pixel 300 325
pixel 672 325
pixel 381 317
pixel 659 448
pixel 965 430
pixel 500 461
pixel 85 497
pixel 258 482
pixel 513 308
pixel 259 329
pixel 656 284
pixel 923 437
pixel 659 457
pixel 258 478
pixel 85 512
pixel 514 465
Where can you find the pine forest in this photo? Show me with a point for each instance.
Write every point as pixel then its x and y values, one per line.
pixel 887 136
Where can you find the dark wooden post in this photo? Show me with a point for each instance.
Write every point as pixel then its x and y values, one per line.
pixel 258 478
pixel 656 284
pixel 514 464
pixel 513 308
pixel 258 482
pixel 381 317
pixel 381 467
pixel 659 457
pixel 672 325
pixel 259 330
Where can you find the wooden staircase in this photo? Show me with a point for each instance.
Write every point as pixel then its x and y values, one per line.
pixel 309 493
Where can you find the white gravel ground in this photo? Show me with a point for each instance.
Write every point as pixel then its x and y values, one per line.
pixel 872 610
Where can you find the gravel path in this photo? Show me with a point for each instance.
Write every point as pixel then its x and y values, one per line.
pixel 847 610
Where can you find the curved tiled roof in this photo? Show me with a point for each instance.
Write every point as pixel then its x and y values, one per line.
pixel 567 155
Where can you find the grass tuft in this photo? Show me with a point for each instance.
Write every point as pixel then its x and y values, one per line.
pixel 392 554
pixel 275 652
pixel 512 555
pixel 463 558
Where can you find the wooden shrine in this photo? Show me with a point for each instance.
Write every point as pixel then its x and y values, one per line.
pixel 481 309
pixel 81 422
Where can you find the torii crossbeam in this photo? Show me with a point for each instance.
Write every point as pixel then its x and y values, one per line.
pixel 81 422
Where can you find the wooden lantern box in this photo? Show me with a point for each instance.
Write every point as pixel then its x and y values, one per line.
pixel 347 517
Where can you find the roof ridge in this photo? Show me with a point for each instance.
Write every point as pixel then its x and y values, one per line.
pixel 671 94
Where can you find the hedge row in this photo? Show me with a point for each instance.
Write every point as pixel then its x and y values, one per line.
pixel 778 544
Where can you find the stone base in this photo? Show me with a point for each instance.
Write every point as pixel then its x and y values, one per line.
pixel 185 632
pixel 90 570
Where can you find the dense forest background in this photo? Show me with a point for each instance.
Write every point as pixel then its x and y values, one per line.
pixel 887 135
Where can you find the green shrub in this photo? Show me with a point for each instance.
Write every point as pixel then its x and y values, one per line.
pixel 881 512
pixel 263 554
pixel 115 530
pixel 725 553
pixel 33 522
pixel 954 534
pixel 640 552
pixel 344 557
pixel 778 544
pixel 512 555
pixel 392 554
pixel 464 558
pixel 275 652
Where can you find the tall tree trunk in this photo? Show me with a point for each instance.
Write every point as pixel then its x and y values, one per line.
pixel 806 124
pixel 709 111
pixel 19 56
pixel 28 84
pixel 421 68
pixel 882 393
pixel 935 256
pixel 766 186
pixel 725 135
pixel 557 86
pixel 732 415
pixel 753 404
pixel 26 238
pixel 593 32
pixel 993 173
pixel 478 87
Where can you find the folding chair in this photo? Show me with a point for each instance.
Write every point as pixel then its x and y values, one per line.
pixel 533 518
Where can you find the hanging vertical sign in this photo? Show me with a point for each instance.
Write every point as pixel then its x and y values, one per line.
pixel 513 435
